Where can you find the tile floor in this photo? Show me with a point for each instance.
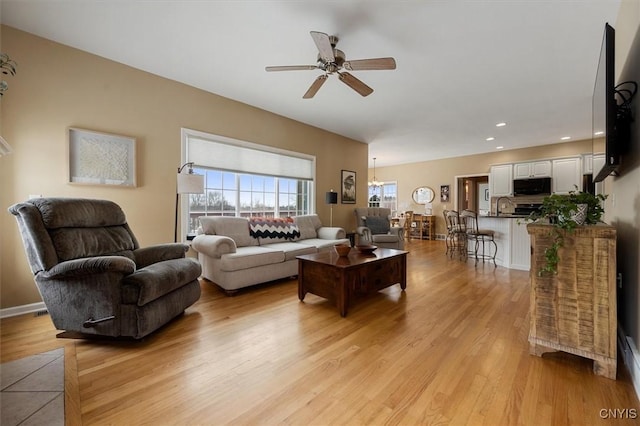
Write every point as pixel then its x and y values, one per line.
pixel 32 390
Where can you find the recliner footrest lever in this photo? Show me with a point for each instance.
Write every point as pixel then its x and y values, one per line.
pixel 93 322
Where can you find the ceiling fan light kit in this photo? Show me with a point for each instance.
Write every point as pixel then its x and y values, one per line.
pixel 332 61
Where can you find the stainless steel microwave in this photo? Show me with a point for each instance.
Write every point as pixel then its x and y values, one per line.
pixel 533 186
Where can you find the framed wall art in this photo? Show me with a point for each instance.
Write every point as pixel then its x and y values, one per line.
pixel 444 193
pixel 97 158
pixel 348 184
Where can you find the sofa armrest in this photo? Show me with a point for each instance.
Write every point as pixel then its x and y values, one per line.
pixel 331 233
pixel 213 245
pixel 89 266
pixel 157 253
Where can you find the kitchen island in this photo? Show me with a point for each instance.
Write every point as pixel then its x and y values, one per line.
pixel 512 240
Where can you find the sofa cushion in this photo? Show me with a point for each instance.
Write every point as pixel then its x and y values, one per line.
pixel 308 225
pixel 273 229
pixel 291 250
pixel 250 257
pixel 322 244
pixel 377 224
pixel 236 228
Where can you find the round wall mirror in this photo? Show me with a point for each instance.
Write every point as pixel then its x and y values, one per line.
pixel 423 195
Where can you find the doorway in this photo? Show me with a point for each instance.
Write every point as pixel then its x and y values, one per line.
pixel 473 193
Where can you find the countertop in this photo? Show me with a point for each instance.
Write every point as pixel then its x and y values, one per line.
pixel 506 216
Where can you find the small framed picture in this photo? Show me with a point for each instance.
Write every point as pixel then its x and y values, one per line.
pixel 444 193
pixel 97 158
pixel 348 184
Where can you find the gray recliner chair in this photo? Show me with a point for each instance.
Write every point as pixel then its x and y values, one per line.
pixel 374 227
pixel 92 275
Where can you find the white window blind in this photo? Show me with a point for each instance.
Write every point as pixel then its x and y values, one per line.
pixel 246 157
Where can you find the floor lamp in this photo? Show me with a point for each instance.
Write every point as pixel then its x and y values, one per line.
pixel 331 198
pixel 187 183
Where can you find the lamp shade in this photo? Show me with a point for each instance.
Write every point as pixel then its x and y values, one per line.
pixel 331 197
pixel 190 183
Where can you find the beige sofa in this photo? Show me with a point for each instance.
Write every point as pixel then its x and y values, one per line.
pixel 236 252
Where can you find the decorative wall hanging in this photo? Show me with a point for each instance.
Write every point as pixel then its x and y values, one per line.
pixel 348 182
pixel 444 193
pixel 97 158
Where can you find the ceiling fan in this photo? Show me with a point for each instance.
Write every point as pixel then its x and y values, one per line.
pixel 333 61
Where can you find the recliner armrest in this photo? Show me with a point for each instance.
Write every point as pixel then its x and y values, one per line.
pixel 364 232
pixel 397 231
pixel 146 256
pixel 89 266
pixel 213 245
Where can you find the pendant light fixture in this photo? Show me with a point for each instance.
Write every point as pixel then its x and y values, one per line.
pixel 374 183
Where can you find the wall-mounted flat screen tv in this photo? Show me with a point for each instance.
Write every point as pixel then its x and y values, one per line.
pixel 606 145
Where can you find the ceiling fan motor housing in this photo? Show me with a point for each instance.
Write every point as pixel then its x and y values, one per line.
pixel 331 67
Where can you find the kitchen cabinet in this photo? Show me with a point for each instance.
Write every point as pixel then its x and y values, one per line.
pixel 592 163
pixel 532 169
pixel 501 180
pixel 587 164
pixel 567 175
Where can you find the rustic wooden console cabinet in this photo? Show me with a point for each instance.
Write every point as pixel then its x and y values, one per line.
pixel 574 310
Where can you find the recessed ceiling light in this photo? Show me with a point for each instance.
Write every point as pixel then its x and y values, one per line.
pixel 501 124
pixel 499 147
pixel 565 138
pixel 490 138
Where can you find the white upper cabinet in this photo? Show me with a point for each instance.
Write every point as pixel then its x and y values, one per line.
pixel 567 175
pixel 597 162
pixel 501 180
pixel 587 164
pixel 533 169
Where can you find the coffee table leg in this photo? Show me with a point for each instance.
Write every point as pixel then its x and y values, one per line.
pixel 301 290
pixel 343 296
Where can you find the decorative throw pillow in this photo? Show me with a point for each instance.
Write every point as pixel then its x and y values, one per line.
pixel 377 224
pixel 307 224
pixel 273 228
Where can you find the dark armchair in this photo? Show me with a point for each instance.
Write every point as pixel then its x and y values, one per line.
pixel 92 275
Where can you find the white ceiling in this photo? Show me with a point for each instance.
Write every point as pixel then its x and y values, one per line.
pixel 462 66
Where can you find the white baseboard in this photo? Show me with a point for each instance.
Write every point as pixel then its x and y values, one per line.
pixel 631 358
pixel 21 310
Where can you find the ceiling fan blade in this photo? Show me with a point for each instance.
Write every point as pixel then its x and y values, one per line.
pixel 292 68
pixel 324 46
pixel 370 64
pixel 315 86
pixel 355 84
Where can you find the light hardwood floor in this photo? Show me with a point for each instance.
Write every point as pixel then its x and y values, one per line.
pixel 451 350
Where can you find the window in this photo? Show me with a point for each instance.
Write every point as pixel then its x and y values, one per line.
pixel 385 195
pixel 244 179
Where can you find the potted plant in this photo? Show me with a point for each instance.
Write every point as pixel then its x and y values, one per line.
pixel 564 213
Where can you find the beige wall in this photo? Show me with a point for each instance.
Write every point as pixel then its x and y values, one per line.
pixel 624 202
pixel 443 172
pixel 57 87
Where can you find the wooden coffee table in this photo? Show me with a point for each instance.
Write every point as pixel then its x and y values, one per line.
pixel 342 279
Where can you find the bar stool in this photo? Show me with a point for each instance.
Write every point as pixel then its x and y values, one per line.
pixel 480 237
pixel 447 237
pixel 457 234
